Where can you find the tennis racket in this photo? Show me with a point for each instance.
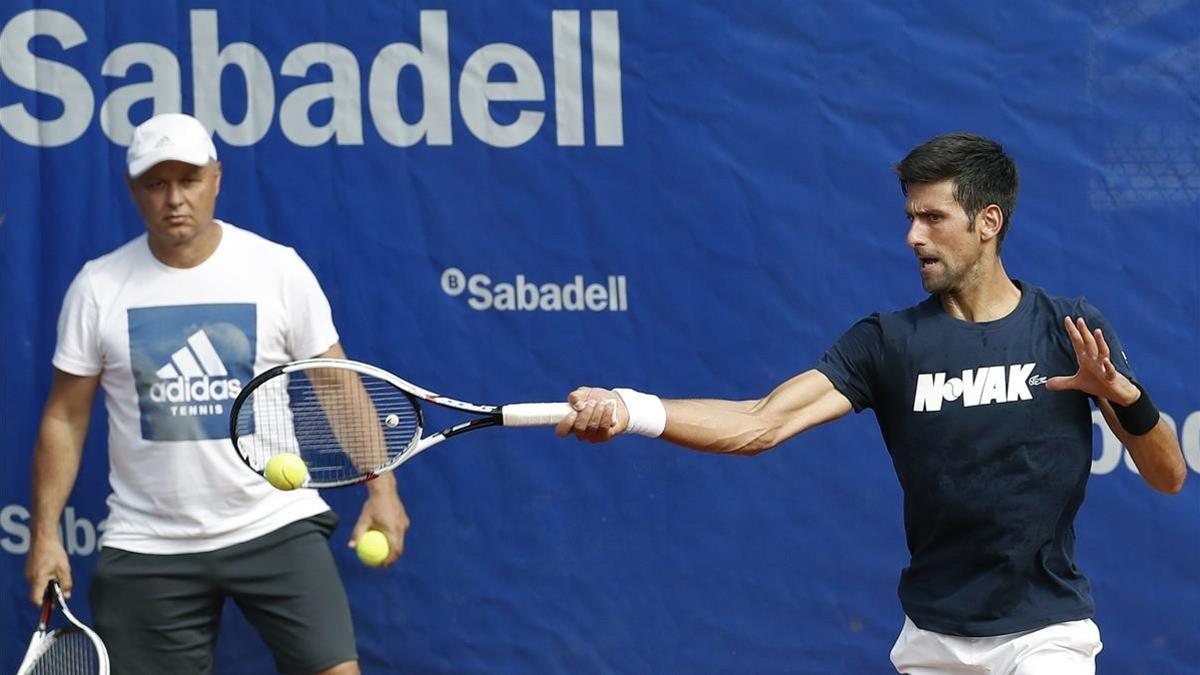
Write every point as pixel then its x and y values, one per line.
pixel 73 649
pixel 350 421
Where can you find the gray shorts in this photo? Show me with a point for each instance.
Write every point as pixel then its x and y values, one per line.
pixel 161 613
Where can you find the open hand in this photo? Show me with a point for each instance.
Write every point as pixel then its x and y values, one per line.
pixel 1097 375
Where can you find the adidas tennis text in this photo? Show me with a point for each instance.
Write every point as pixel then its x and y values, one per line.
pixel 977 386
pixel 201 390
pixel 196 376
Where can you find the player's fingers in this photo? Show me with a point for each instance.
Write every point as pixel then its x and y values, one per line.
pixel 566 425
pixel 360 528
pixel 589 420
pixel 1102 344
pixel 578 396
pixel 600 414
pixel 594 431
pixel 1073 335
pixel 605 416
pixel 583 415
pixel 1089 342
pixel 584 394
pixel 1060 383
pixel 578 421
pixel 598 394
pixel 63 574
pixel 395 530
pixel 1110 371
pixel 395 547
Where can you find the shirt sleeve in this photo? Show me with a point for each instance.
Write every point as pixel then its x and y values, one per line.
pixel 310 329
pixel 78 350
pixel 852 363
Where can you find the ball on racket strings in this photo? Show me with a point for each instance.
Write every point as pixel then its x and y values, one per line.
pixel 372 548
pixel 286 471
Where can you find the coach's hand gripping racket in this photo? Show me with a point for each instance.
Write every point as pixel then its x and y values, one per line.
pixel 350 421
pixel 73 649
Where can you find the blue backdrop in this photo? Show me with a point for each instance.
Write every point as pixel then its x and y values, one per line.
pixel 728 166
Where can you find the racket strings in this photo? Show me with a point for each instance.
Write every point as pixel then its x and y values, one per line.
pixel 67 651
pixel 342 423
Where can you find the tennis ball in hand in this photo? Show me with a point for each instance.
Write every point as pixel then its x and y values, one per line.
pixel 286 471
pixel 372 548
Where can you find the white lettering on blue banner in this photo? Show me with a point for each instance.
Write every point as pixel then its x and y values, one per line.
pixel 523 295
pixel 430 58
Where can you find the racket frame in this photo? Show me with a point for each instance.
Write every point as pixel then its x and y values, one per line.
pixel 54 596
pixel 487 415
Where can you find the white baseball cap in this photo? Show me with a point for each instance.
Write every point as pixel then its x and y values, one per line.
pixel 169 136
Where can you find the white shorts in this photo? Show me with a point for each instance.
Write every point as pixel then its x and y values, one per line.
pixel 1059 649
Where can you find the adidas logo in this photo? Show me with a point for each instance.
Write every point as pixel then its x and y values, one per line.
pixel 163 142
pixel 977 386
pixel 195 373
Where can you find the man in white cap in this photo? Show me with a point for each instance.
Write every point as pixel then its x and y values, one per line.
pixel 172 325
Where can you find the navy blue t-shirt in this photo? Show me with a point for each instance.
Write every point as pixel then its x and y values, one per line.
pixel 993 465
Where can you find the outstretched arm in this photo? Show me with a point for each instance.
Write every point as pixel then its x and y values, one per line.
pixel 1155 450
pixel 718 426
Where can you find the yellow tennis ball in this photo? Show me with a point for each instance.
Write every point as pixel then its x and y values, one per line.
pixel 286 471
pixel 372 548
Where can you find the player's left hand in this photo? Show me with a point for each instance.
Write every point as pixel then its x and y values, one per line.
pixel 1097 375
pixel 383 511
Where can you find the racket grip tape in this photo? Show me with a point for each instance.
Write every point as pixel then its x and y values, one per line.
pixel 534 414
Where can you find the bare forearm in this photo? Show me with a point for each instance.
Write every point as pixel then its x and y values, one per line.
pixel 56 460
pixel 751 427
pixel 723 427
pixel 56 457
pixel 1156 453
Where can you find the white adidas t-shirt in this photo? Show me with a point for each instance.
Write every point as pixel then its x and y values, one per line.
pixel 173 347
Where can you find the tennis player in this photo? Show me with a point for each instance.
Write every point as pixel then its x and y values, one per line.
pixel 981 392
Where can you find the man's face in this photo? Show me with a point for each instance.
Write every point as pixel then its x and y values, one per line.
pixel 947 245
pixel 177 200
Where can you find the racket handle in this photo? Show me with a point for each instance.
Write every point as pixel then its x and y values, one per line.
pixel 534 414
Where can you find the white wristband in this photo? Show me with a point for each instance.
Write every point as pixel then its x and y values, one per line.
pixel 647 415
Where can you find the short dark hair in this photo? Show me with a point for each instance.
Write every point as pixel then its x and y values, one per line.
pixel 983 173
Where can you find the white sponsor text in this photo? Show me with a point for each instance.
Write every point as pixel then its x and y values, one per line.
pixel 429 59
pixel 527 296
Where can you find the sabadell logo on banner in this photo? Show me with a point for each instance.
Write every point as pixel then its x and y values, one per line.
pixel 524 88
pixel 521 294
